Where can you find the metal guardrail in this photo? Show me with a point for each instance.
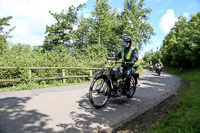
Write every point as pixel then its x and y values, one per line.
pixel 63 77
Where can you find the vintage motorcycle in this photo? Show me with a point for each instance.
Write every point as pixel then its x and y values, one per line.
pixel 108 84
pixel 151 68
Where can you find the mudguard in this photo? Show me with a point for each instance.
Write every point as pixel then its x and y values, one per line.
pixel 103 76
pixel 100 75
pixel 136 76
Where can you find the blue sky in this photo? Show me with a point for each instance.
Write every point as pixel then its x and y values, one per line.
pixel 31 16
pixel 164 14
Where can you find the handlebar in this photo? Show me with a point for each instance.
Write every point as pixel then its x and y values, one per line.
pixel 125 63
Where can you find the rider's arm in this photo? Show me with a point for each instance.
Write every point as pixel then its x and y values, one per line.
pixel 134 56
pixel 161 64
pixel 118 55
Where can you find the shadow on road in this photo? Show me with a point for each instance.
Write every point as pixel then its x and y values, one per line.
pixel 88 123
pixel 85 122
pixel 15 119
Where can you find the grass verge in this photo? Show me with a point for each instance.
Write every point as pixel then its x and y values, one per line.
pixel 178 114
pixel 186 119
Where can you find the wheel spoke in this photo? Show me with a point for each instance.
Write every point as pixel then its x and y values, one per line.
pixel 132 88
pixel 99 93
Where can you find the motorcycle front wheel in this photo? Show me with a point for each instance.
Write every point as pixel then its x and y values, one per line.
pixel 159 73
pixel 99 92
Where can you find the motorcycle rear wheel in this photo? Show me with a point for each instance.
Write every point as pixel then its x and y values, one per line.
pixel 132 88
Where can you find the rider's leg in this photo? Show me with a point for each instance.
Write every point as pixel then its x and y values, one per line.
pixel 129 73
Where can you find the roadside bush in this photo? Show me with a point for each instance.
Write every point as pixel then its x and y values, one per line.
pixel 25 56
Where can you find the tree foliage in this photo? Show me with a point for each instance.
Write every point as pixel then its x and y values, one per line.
pixel 24 56
pixel 152 56
pixel 135 22
pixel 4 34
pixel 181 46
pixel 62 32
pixel 4 22
pixel 104 29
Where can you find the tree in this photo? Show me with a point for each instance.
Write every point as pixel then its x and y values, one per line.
pixel 152 56
pixel 4 34
pixel 62 32
pixel 82 34
pixel 182 45
pixel 148 56
pixel 101 25
pixel 135 22
pixel 194 39
pixel 105 28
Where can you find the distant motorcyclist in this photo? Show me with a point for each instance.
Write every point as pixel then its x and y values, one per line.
pixel 128 54
pixel 159 64
pixel 150 66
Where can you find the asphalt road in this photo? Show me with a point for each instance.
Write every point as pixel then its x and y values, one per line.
pixel 67 109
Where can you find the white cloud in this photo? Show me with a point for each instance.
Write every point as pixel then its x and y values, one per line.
pixel 167 21
pixel 119 10
pixel 85 15
pixel 186 15
pixel 31 17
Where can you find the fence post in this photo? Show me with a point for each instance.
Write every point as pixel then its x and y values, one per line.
pixel 29 74
pixel 90 75
pixel 63 74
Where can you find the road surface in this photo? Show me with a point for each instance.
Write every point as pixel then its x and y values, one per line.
pixel 67 109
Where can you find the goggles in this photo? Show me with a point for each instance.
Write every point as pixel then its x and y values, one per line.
pixel 125 44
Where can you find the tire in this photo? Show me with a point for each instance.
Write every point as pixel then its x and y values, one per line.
pixel 159 73
pixel 132 88
pixel 99 92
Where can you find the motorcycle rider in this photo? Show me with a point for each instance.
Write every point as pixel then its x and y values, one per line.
pixel 150 66
pixel 159 64
pixel 128 54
